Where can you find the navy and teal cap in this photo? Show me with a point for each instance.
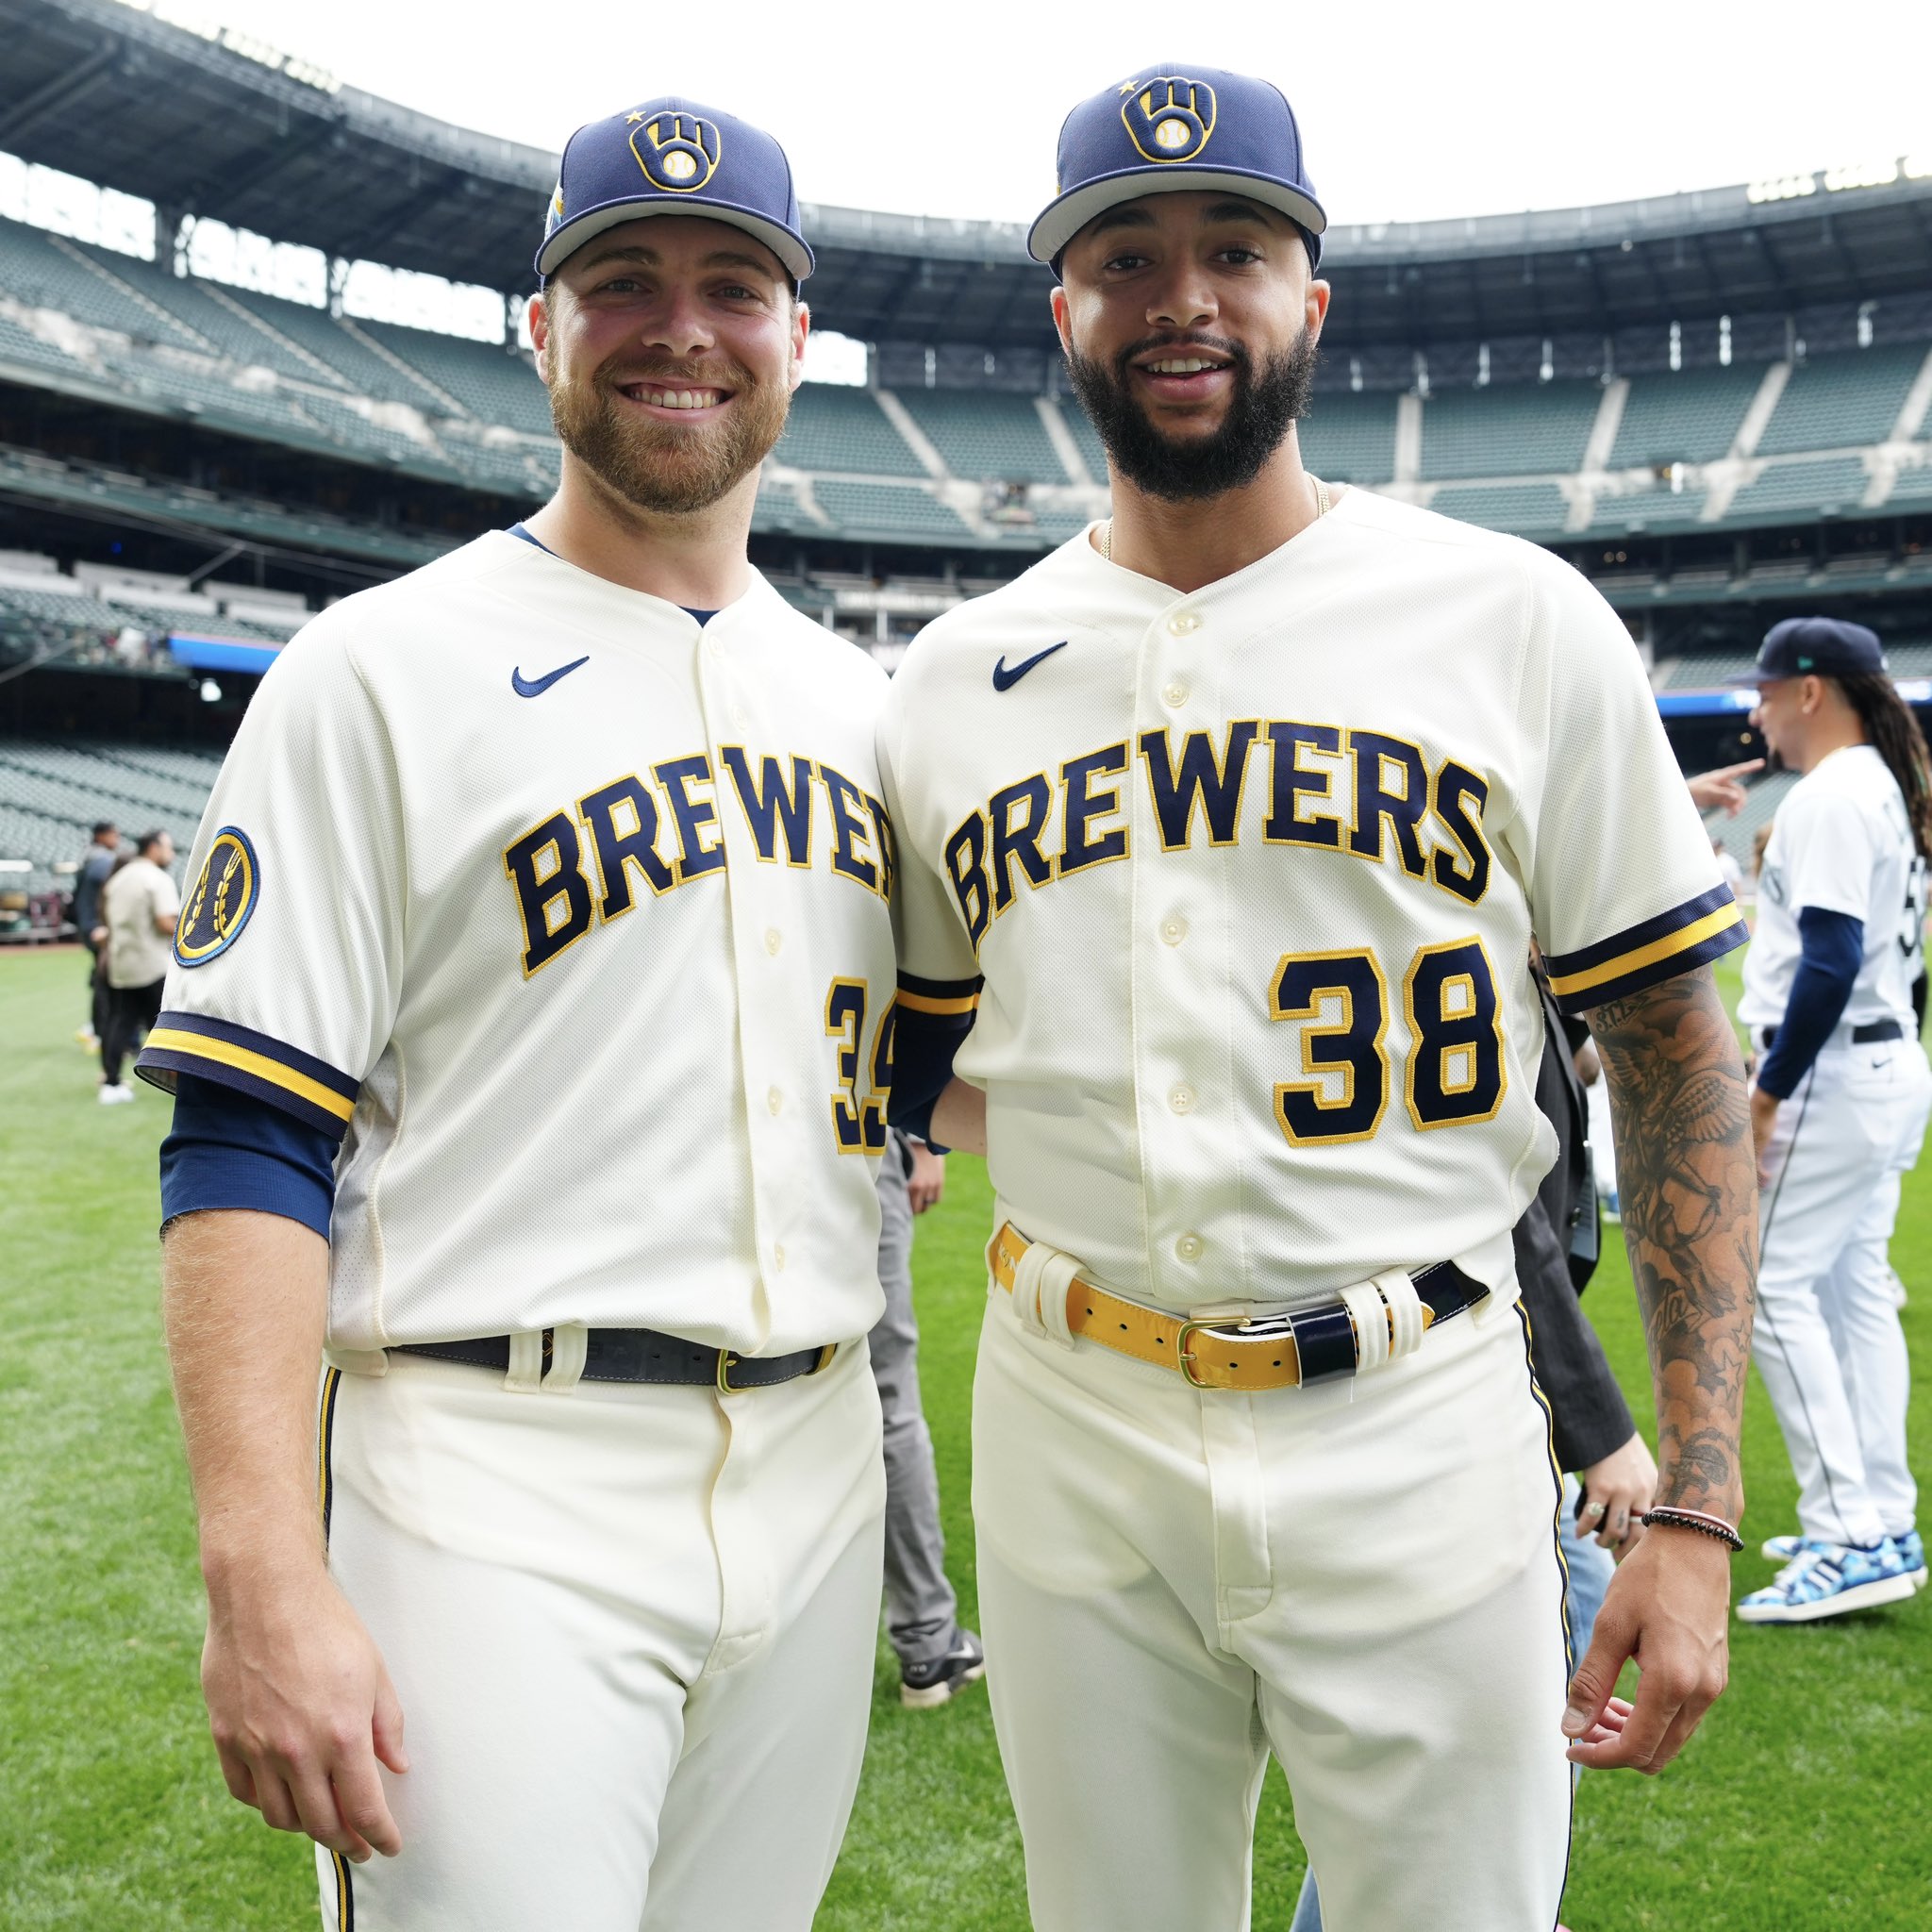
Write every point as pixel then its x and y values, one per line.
pixel 671 157
pixel 1816 647
pixel 1177 128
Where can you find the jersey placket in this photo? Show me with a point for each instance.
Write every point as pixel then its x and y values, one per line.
pixel 1182 977
pixel 759 907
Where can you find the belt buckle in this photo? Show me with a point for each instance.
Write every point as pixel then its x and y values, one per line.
pixel 1228 1331
pixel 725 1365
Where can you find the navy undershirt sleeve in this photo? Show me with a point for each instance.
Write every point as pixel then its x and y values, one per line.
pixel 229 1150
pixel 1834 948
pixel 923 1045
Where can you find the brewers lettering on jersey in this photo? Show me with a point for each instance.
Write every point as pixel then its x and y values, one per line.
pixel 536 1001
pixel 1225 834
pixel 1843 1092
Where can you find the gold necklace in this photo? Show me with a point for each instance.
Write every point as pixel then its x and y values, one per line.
pixel 1324 502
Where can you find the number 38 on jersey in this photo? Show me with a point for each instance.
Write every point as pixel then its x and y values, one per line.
pixel 1452 1072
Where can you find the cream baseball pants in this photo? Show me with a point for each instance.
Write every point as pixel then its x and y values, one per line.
pixel 632 1631
pixel 1361 1576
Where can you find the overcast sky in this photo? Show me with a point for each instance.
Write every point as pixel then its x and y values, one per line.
pixel 1409 111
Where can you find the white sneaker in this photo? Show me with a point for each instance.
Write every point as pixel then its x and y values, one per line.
pixel 116 1096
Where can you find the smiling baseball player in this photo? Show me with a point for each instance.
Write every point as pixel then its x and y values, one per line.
pixel 1236 816
pixel 530 1029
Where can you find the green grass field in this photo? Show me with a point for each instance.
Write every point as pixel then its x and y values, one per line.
pixel 1802 1804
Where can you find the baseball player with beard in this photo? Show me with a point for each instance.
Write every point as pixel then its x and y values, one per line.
pixel 530 1027
pixel 1234 819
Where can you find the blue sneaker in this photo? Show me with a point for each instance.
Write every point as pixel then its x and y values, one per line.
pixel 1911 1546
pixel 1830 1582
pixel 1787 1549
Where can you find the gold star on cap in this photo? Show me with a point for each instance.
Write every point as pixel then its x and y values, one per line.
pixel 633 117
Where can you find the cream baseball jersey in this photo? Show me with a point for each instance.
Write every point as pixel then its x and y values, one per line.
pixel 1841 842
pixel 1250 877
pixel 571 916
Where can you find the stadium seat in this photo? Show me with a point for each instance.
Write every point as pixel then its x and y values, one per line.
pixel 1525 509
pixel 778 510
pixel 1689 417
pixel 885 509
pixel 1086 437
pixel 200 390
pixel 985 435
pixel 496 384
pixel 1532 430
pixel 36 270
pixel 1350 439
pixel 843 430
pixel 192 304
pixel 1657 509
pixel 1841 402
pixel 21 346
pixel 317 331
pixel 1831 485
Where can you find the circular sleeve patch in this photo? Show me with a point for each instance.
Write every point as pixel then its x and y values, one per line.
pixel 222 901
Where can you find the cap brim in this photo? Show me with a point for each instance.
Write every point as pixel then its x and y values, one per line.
pixel 1756 674
pixel 1064 219
pixel 560 245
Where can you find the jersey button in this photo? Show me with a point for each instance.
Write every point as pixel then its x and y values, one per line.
pixel 1173 695
pixel 1173 929
pixel 1188 1247
pixel 1183 624
pixel 1182 1099
pixel 773 940
pixel 778 1259
pixel 775 1100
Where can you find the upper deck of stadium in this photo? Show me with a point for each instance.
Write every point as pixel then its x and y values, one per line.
pixel 1650 375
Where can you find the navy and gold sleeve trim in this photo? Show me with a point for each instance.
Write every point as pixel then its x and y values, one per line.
pixel 1690 935
pixel 943 997
pixel 252 1063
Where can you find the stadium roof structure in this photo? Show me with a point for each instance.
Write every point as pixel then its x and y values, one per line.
pixel 236 132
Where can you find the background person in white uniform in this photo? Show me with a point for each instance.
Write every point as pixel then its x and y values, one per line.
pixel 1839 1109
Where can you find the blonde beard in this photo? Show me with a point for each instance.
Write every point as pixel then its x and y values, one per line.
pixel 661 469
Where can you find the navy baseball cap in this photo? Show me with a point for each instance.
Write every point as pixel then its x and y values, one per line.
pixel 1815 647
pixel 671 157
pixel 1179 127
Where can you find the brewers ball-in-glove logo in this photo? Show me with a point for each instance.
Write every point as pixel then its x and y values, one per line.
pixel 1170 118
pixel 223 898
pixel 678 152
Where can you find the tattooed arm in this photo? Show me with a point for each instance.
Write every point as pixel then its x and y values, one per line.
pixel 1686 1181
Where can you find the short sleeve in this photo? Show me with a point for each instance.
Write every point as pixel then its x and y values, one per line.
pixel 1624 889
pixel 935 950
pixel 1830 855
pixel 287 958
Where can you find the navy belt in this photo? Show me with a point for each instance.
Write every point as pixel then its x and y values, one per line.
pixel 641 1354
pixel 1868 1035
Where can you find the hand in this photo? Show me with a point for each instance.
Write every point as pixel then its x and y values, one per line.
pixel 1668 1608
pixel 927 1180
pixel 1763 1125
pixel 1616 1493
pixel 301 1709
pixel 1719 790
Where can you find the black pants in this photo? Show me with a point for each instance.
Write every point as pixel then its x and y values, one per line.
pixel 100 994
pixel 131 1010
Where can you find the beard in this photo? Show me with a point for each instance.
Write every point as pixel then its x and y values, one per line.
pixel 655 466
pixel 1260 414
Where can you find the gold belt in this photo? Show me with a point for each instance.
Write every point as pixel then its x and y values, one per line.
pixel 1222 1352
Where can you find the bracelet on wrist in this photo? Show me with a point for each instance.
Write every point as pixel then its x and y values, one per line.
pixel 1695 1519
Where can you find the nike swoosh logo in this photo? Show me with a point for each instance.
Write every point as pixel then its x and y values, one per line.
pixel 1004 680
pixel 536 686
